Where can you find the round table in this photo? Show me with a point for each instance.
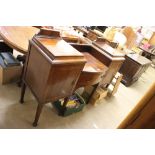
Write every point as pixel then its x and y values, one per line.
pixel 18 37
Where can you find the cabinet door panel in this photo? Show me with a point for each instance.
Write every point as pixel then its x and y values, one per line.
pixel 62 80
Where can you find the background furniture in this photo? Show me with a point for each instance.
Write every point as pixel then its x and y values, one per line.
pixel 18 37
pixel 147 53
pixel 133 67
pixel 130 36
pixel 152 39
pixel 9 72
pixel 143 115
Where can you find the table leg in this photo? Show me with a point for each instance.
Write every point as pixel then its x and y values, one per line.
pixel 38 112
pixel 22 92
pixel 21 59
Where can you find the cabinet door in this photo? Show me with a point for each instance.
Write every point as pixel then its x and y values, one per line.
pixel 62 81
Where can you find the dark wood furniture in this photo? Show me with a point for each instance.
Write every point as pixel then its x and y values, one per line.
pixel 133 67
pixel 54 70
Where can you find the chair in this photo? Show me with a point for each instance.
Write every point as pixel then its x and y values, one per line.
pixel 131 37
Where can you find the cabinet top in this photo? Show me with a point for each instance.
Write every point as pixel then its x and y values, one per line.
pixel 108 49
pixel 139 59
pixel 58 47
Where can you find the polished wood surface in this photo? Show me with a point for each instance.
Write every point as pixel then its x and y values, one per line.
pixel 18 37
pixel 108 49
pixel 133 67
pixel 58 47
pixel 112 62
pixel 100 41
pixel 92 64
pixel 62 67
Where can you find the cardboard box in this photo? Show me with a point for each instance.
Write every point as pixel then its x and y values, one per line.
pixel 9 74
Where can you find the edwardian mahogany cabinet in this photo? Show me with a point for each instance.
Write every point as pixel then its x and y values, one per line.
pixel 55 68
pixel 51 70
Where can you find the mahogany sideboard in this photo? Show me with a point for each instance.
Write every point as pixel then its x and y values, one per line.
pixel 54 69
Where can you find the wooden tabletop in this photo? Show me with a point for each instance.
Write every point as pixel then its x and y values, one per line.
pixel 18 37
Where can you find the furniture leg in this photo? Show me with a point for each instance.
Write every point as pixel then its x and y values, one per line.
pixel 38 112
pixel 94 89
pixel 22 59
pixel 21 76
pixel 22 93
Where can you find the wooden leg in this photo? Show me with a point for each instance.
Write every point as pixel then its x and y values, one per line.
pixel 21 59
pixel 94 89
pixel 22 92
pixel 38 112
pixel 21 77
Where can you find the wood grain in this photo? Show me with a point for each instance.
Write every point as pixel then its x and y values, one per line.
pixel 18 37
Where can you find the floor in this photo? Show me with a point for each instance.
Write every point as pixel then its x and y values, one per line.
pixel 108 113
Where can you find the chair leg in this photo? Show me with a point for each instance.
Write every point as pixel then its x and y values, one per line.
pixel 38 112
pixel 22 93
